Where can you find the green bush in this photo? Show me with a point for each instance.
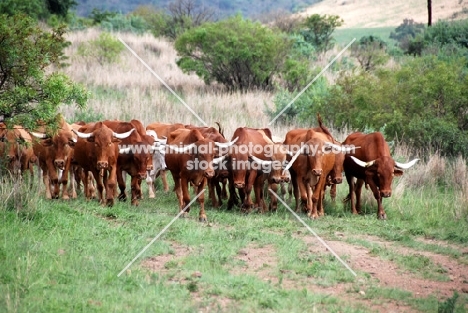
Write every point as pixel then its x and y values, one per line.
pixel 105 49
pixel 235 52
pixel 424 103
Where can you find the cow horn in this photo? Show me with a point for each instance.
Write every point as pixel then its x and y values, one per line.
pixel 39 135
pixel 406 165
pixel 226 144
pixel 260 161
pixel 219 159
pixel 82 135
pixel 124 135
pixel 362 163
pixel 153 134
pixel 182 150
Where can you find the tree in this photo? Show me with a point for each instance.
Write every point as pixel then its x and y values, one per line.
pixel 235 52
pixel 29 89
pixel 370 52
pixel 60 7
pixel 186 14
pixel 318 30
pixel 37 9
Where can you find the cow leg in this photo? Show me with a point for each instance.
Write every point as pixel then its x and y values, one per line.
pixel 53 179
pixel 211 192
pixel 121 183
pixel 381 215
pixel 45 179
pixel 185 196
pixel 164 181
pixel 350 196
pixel 224 194
pixel 302 197
pixel 64 180
pixel 333 192
pixel 219 191
pixel 273 206
pixel 149 183
pixel 110 185
pixel 99 186
pixel 259 194
pixel 136 191
pixel 201 201
pixel 357 191
pixel 250 181
pixel 233 199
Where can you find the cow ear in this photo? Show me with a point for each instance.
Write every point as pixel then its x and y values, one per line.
pixel 397 172
pixel 116 139
pixel 46 142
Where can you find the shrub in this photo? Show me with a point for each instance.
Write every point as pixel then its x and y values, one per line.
pixel 235 52
pixel 105 49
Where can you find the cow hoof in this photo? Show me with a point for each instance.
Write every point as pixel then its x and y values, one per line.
pixel 65 198
pixel 202 219
pixel 135 203
pixel 122 198
pixel 382 217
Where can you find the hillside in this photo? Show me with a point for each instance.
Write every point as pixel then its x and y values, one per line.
pixel 382 13
pixel 222 8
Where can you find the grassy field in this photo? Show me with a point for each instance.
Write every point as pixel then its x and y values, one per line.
pixel 65 256
pixel 344 35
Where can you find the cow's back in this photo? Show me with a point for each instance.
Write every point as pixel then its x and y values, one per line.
pixel 368 146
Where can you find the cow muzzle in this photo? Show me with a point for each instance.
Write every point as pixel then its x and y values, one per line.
pixel 142 175
pixel 385 193
pixel 239 185
pixel 317 172
pixel 209 173
pixel 60 164
pixel 102 165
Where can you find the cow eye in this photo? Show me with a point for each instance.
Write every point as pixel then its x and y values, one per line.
pixel 109 144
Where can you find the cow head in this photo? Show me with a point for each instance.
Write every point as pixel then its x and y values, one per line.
pixel 381 172
pixel 104 140
pixel 61 143
pixel 276 165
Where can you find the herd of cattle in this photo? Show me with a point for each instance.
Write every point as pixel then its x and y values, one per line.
pixel 97 156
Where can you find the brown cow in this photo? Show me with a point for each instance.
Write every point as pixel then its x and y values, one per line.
pixel 97 151
pixel 373 165
pixel 253 155
pixel 215 190
pixel 16 150
pixel 162 130
pixel 135 157
pixel 55 154
pixel 191 167
pixel 309 165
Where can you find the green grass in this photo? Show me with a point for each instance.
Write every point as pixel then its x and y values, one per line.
pixel 344 35
pixel 60 256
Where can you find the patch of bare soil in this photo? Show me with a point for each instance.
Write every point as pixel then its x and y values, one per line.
pixel 388 274
pixel 158 263
pixel 262 262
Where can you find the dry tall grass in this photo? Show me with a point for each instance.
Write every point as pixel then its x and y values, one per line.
pixel 136 93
